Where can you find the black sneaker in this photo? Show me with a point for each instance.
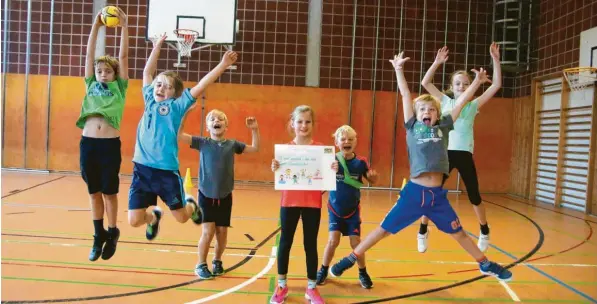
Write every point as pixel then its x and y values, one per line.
pixel 96 249
pixel 322 275
pixel 197 216
pixel 152 230
pixel 365 280
pixel 110 247
pixel 217 269
pixel 203 272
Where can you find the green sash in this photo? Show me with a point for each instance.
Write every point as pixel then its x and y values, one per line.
pixel 347 178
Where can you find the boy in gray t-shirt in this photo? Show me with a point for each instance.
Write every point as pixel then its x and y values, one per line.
pixel 216 182
pixel 426 137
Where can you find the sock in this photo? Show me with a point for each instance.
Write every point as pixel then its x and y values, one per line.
pixel 112 230
pixel 282 283
pixel 352 258
pixel 311 284
pixel 363 270
pixel 98 225
pixel 423 228
pixel 325 267
pixel 485 229
pixel 484 261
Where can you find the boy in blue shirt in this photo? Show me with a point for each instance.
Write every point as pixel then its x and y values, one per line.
pixel 344 207
pixel 155 171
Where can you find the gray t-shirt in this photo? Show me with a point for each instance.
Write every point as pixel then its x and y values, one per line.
pixel 428 146
pixel 216 167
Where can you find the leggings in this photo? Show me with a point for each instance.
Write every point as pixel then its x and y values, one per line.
pixel 289 217
pixel 463 161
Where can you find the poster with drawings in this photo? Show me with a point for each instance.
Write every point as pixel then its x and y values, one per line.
pixel 305 167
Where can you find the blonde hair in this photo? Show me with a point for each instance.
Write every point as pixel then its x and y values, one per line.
pixel 449 92
pixel 109 60
pixel 345 129
pixel 427 98
pixel 297 111
pixel 216 112
pixel 178 84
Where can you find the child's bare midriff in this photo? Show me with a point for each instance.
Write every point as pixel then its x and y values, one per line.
pixel 97 127
pixel 429 179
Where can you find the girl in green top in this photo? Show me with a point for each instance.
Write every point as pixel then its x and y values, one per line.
pixel 106 82
pixel 461 143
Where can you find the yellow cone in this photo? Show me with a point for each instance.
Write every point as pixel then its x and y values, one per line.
pixel 403 184
pixel 188 184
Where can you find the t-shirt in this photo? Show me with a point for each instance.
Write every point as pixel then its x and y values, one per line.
pixel 346 198
pixel 157 132
pixel 216 169
pixel 105 99
pixel 427 147
pixel 302 198
pixel 461 137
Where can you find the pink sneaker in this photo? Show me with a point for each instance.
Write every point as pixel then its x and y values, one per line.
pixel 313 296
pixel 279 295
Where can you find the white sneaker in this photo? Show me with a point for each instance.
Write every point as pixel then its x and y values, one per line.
pixel 422 241
pixel 483 242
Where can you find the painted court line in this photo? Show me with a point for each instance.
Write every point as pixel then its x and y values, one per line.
pixel 510 291
pixel 243 284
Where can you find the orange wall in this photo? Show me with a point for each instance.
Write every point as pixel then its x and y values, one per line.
pixel 271 105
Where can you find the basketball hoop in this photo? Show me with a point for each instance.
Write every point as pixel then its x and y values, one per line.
pixel 185 40
pixel 580 78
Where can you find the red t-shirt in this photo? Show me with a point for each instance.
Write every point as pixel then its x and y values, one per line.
pixel 302 198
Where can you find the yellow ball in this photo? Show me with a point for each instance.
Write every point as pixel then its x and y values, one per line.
pixel 109 16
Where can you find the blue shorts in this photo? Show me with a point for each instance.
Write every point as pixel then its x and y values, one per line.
pixel 347 225
pixel 149 183
pixel 416 201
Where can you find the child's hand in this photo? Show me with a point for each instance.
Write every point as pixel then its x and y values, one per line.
pixel 98 19
pixel 229 58
pixel 481 75
pixel 494 51
pixel 335 166
pixel 158 40
pixel 251 123
pixel 123 18
pixel 442 55
pixel 275 165
pixel 399 61
pixel 371 175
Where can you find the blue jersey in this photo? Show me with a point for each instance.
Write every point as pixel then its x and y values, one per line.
pixel 157 132
pixel 345 200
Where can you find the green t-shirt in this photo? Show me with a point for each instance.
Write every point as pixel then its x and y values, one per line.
pixel 461 137
pixel 106 99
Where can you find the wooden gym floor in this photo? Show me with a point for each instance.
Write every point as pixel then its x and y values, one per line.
pixel 47 235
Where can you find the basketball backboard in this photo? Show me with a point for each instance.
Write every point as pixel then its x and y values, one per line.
pixel 215 20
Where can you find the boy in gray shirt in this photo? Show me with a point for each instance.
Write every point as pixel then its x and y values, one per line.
pixel 216 182
pixel 426 138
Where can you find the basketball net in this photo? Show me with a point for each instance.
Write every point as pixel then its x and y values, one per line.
pixel 185 40
pixel 580 78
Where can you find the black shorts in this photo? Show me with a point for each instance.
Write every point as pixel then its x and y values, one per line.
pixel 149 183
pixel 100 160
pixel 216 210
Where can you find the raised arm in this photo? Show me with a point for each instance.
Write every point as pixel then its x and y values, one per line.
pixel 123 56
pixel 464 98
pixel 182 136
pixel 398 63
pixel 252 124
pixel 228 59
pixel 91 42
pixel 427 82
pixel 152 61
pixel 496 84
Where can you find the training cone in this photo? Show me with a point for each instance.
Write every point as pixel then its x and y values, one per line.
pixel 403 184
pixel 188 184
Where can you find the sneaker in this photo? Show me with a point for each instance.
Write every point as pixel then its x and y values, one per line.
pixel 339 268
pixel 152 230
pixel 496 270
pixel 280 295
pixel 217 268
pixel 110 247
pixel 422 241
pixel 96 249
pixel 483 242
pixel 197 216
pixel 203 272
pixel 312 294
pixel 322 274
pixel 365 280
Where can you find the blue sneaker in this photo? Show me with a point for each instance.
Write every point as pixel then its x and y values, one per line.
pixel 494 269
pixel 339 268
pixel 365 280
pixel 203 272
pixel 152 230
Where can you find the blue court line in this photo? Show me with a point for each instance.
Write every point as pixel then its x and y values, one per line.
pixel 578 292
